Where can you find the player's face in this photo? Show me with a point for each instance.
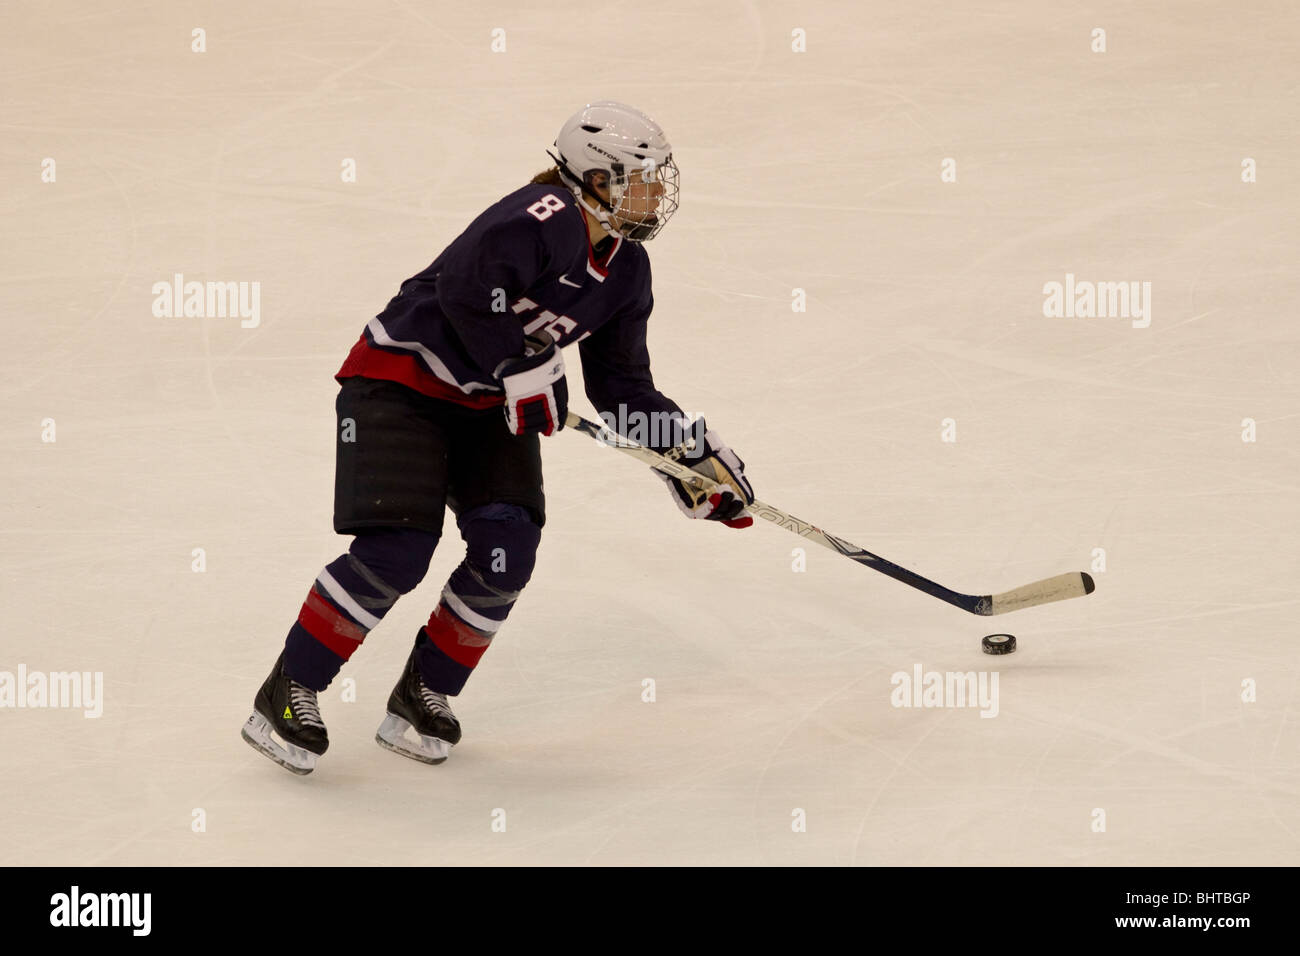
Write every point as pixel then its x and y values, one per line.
pixel 640 199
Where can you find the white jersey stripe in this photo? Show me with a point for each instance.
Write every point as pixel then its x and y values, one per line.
pixel 618 244
pixel 435 364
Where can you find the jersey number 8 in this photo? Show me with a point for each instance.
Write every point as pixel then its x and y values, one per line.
pixel 548 204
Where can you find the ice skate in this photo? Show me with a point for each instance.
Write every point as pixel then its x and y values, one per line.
pixel 413 706
pixel 286 709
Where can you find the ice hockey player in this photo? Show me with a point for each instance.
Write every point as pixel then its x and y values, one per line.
pixel 441 403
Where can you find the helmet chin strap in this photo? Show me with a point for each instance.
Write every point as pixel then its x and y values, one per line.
pixel 600 214
pixel 581 191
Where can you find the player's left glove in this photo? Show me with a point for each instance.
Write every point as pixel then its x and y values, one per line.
pixel 722 466
pixel 537 396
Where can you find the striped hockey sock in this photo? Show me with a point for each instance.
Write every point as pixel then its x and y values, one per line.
pixel 501 549
pixel 349 598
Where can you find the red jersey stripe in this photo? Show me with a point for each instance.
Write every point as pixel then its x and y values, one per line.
pixel 367 361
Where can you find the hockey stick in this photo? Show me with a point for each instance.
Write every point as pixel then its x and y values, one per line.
pixel 1058 588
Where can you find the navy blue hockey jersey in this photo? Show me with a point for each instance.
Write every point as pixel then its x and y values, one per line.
pixel 525 264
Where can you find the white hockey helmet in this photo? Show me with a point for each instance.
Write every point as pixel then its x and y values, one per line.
pixel 608 144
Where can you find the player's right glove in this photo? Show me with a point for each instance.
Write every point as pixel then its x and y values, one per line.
pixel 537 396
pixel 724 468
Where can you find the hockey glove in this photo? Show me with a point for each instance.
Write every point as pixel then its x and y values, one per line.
pixel 721 466
pixel 537 396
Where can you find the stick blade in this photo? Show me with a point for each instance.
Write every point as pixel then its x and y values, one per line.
pixel 1060 588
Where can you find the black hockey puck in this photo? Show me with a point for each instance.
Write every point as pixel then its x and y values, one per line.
pixel 998 644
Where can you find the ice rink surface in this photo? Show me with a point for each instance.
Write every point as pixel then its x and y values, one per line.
pixel 1166 700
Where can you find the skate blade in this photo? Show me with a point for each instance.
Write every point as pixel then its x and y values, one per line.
pixel 257 731
pixel 392 736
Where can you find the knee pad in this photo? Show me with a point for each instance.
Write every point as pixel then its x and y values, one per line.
pixel 398 557
pixel 501 544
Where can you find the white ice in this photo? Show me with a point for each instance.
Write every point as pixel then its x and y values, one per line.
pixel 818 171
